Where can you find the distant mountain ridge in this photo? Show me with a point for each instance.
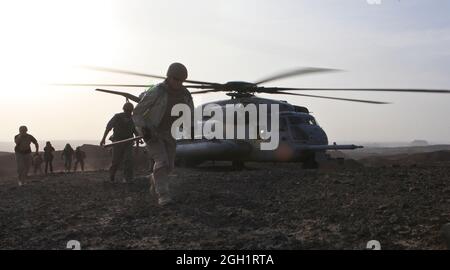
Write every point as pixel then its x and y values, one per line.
pixel 390 151
pixel 59 145
pixel 441 157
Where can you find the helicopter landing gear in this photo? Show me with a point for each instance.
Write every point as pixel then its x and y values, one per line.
pixel 310 163
pixel 186 163
pixel 238 165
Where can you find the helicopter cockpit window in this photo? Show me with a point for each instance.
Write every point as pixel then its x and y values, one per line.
pixel 281 108
pixel 285 108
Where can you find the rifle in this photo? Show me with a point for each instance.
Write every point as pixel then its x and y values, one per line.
pixel 124 141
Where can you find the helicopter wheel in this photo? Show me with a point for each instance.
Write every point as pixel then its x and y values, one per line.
pixel 184 163
pixel 310 163
pixel 238 165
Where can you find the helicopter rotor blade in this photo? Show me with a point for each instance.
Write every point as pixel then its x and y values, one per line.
pixel 206 91
pixel 119 71
pixel 335 98
pixel 125 85
pixel 404 90
pixel 126 95
pixel 201 86
pixel 295 72
pixel 100 84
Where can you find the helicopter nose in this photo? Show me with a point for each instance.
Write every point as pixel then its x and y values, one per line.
pixel 317 136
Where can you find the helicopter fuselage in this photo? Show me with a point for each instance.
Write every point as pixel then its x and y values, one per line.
pixel 300 137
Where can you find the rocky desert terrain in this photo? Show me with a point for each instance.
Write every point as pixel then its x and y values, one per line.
pixel 342 205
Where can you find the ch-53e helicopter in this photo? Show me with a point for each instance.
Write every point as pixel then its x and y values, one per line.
pixel 301 139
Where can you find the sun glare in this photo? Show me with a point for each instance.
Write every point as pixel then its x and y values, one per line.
pixel 42 45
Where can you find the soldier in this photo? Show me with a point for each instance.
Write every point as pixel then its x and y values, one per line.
pixel 23 153
pixel 67 155
pixel 48 157
pixel 153 116
pixel 37 163
pixel 123 128
pixel 80 155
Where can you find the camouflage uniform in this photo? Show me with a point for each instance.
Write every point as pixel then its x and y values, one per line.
pixel 152 117
pixel 37 163
pixel 23 154
pixel 48 157
pixel 124 128
pixel 67 154
pixel 79 158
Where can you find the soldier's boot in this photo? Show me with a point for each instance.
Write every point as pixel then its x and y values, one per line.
pixel 164 200
pixel 112 177
pixel 161 187
pixel 151 181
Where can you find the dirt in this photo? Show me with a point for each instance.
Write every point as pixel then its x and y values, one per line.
pixel 266 206
pixel 433 158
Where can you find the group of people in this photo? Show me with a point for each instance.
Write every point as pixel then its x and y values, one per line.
pixel 68 154
pixel 151 117
pixel 25 157
pixel 37 160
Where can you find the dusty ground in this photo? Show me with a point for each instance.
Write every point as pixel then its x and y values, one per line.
pixel 263 207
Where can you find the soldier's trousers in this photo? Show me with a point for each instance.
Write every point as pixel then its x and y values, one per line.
pixel 162 151
pixel 122 153
pixel 49 163
pixel 76 165
pixel 37 168
pixel 68 163
pixel 23 165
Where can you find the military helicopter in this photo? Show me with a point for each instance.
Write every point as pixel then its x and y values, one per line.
pixel 301 137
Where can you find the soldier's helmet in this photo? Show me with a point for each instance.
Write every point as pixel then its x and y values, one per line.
pixel 177 71
pixel 23 129
pixel 128 107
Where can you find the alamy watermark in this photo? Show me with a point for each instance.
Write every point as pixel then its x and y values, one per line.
pixel 239 122
pixel 73 245
pixel 373 245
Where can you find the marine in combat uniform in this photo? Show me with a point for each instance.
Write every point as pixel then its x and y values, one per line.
pixel 123 128
pixel 37 163
pixel 22 151
pixel 48 157
pixel 67 155
pixel 80 155
pixel 153 118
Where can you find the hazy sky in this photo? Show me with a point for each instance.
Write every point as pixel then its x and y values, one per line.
pixel 394 44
